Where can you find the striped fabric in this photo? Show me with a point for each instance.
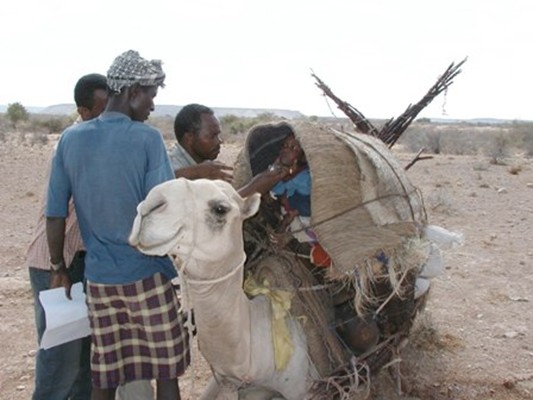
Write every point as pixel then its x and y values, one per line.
pixel 137 332
pixel 38 255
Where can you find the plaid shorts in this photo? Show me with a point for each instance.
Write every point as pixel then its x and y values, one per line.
pixel 137 332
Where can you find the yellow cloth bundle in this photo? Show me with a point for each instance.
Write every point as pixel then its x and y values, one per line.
pixel 280 301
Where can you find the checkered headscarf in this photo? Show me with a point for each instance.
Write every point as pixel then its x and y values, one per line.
pixel 130 68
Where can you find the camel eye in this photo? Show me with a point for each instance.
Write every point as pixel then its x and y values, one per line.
pixel 217 214
pixel 219 209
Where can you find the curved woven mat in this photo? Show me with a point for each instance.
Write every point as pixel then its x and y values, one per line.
pixel 361 200
pixel 369 218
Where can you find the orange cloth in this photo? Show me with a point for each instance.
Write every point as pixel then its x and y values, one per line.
pixel 319 256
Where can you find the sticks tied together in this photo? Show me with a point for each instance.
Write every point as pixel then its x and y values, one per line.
pixel 391 131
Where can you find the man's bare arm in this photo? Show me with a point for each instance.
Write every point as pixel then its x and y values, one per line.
pixel 264 181
pixel 206 170
pixel 55 233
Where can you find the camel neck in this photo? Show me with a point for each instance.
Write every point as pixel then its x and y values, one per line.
pixel 222 311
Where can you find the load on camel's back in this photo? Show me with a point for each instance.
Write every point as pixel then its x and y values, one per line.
pixel 357 263
pixel 310 292
pixel 292 325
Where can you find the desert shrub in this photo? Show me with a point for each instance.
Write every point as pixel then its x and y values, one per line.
pixel 497 148
pixel 4 128
pixel 412 139
pixel 462 141
pixel 16 113
pixel 49 124
pixel 25 127
pixel 266 117
pixel 420 136
pixel 524 132
pixel 527 143
pixel 55 124
pixel 433 139
pixel 233 125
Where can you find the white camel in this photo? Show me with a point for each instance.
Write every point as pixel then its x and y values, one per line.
pixel 199 225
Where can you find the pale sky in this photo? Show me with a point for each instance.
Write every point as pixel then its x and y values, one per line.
pixel 379 55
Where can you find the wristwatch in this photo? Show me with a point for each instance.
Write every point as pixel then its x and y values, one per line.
pixel 58 266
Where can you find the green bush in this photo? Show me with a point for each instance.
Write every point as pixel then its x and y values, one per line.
pixel 16 113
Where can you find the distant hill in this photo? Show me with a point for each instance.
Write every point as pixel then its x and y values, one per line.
pixel 167 110
pixel 171 111
pixel 475 121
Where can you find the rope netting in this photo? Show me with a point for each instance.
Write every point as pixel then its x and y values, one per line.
pixel 368 218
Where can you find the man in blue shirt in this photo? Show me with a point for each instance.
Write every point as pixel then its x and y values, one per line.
pixel 108 165
pixel 63 371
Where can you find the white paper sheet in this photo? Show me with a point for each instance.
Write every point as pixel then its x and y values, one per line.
pixel 66 320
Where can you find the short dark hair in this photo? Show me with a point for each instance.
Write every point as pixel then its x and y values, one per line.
pixel 85 88
pixel 189 119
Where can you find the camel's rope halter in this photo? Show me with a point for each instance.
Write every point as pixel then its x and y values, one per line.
pixel 184 289
pixel 187 260
pixel 184 284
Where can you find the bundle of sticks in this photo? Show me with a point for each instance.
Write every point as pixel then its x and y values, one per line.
pixel 391 131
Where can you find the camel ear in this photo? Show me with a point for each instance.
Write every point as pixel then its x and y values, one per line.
pixel 136 229
pixel 251 205
pixel 152 201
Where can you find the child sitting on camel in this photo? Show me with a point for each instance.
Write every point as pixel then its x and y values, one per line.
pixel 293 191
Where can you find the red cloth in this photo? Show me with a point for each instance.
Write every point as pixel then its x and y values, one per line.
pixel 319 256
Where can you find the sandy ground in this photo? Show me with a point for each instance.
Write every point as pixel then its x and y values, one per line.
pixel 474 341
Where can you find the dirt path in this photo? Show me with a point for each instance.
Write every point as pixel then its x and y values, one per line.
pixel 474 341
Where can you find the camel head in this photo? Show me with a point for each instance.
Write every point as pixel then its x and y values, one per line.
pixel 193 220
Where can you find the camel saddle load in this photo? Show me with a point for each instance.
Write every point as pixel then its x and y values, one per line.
pixel 309 290
pixel 305 292
pixel 348 242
